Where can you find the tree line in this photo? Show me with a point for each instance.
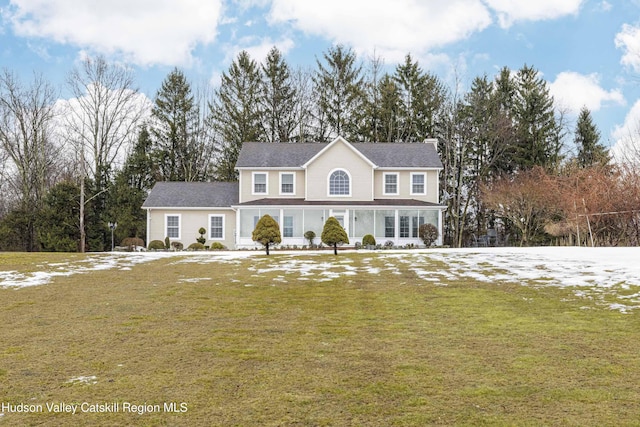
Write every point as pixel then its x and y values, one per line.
pixel 71 167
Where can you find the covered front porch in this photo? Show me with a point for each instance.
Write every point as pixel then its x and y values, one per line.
pixel 398 224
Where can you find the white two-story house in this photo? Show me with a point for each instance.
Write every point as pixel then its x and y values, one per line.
pixel 384 189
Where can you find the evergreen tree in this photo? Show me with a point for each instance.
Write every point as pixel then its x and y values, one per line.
pixel 422 97
pixel 371 126
pixel 587 137
pixel 175 129
pixel 505 90
pixel 125 201
pixel 388 112
pixel 333 234
pixel 140 168
pixel 58 223
pixel 277 103
pixel 339 83
pixel 267 232
pixel 538 134
pixel 235 113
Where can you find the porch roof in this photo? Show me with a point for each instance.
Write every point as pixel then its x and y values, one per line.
pixel 345 203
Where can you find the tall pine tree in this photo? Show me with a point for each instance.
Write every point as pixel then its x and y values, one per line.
pixel 277 103
pixel 538 133
pixel 587 140
pixel 422 97
pixel 174 129
pixel 339 83
pixel 235 113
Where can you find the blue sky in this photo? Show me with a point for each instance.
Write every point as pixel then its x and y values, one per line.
pixel 588 50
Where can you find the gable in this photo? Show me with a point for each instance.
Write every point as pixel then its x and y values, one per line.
pixel 335 146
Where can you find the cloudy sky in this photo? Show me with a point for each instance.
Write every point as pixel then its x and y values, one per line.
pixel 588 50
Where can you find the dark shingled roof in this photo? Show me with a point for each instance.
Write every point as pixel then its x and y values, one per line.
pixel 389 155
pixel 192 195
pixel 375 202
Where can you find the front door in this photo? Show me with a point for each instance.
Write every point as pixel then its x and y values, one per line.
pixel 343 218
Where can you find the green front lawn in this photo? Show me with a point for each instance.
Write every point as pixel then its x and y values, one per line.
pixel 241 343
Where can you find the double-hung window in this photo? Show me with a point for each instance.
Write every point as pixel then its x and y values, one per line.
pixel 287 183
pixel 259 183
pixel 216 227
pixel 390 184
pixel 418 183
pixel 172 223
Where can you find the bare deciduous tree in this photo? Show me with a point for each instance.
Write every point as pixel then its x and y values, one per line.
pixel 104 115
pixel 28 150
pixel 101 120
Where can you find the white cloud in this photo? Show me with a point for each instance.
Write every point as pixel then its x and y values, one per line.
pixel 257 48
pixel 627 137
pixel 573 91
pixel 628 39
pixel 142 31
pixel 510 11
pixel 393 29
pixel 605 6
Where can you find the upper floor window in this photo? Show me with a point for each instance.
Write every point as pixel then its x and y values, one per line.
pixel 418 183
pixel 259 183
pixel 339 183
pixel 287 183
pixel 390 183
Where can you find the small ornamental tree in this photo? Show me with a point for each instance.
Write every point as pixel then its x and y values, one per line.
pixel 202 240
pixel 267 232
pixel 310 235
pixel 428 234
pixel 333 234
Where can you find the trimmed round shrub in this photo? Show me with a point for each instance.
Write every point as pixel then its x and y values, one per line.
pixel 156 245
pixel 428 234
pixel 177 246
pixel 196 246
pixel 217 246
pixel 368 240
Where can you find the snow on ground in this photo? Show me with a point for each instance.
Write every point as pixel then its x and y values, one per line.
pixel 610 276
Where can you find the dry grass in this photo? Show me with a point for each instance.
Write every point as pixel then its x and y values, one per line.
pixel 367 349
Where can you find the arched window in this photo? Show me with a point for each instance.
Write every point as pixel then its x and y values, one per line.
pixel 339 183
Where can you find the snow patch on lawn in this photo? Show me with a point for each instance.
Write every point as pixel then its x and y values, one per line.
pixel 84 380
pixel 609 276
